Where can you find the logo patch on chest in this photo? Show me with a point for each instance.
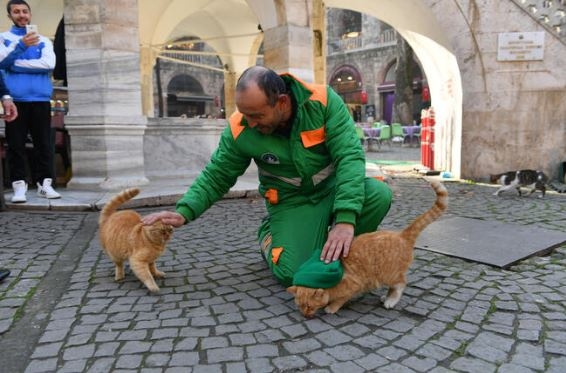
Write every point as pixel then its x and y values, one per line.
pixel 270 158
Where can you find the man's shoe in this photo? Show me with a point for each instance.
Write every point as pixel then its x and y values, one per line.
pixel 4 273
pixel 20 188
pixel 46 190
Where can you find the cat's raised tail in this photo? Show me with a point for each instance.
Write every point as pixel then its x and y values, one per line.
pixel 423 220
pixel 115 202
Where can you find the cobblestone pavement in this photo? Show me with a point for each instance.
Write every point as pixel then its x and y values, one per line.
pixel 219 309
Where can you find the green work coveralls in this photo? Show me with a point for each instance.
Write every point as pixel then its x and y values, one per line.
pixel 310 179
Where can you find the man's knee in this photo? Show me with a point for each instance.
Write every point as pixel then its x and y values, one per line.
pixel 378 192
pixel 283 274
pixel 376 206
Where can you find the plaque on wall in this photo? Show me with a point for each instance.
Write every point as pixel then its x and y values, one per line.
pixel 520 46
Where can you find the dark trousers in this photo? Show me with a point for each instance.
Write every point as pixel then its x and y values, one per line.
pixel 34 118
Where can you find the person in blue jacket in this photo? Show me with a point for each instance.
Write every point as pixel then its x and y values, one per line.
pixel 27 60
pixel 9 112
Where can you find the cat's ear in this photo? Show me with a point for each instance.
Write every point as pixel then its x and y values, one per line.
pixel 292 290
pixel 319 292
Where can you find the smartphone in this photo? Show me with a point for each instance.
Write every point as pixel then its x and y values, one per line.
pixel 31 28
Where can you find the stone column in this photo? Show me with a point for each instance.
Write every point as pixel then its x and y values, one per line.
pixel 319 41
pixel 288 48
pixel 105 119
pixel 229 93
pixel 147 60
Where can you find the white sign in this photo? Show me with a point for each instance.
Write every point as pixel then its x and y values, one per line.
pixel 520 46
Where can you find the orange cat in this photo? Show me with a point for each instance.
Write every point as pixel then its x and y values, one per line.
pixel 124 237
pixel 375 259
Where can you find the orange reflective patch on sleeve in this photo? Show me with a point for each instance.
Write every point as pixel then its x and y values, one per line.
pixel 275 254
pixel 313 137
pixel 272 196
pixel 236 124
pixel 319 93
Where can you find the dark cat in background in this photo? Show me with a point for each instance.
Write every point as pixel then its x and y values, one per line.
pixel 533 179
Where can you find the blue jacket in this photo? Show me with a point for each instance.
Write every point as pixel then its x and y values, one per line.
pixel 27 70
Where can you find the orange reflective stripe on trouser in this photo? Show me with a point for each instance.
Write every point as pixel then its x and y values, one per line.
pixel 272 196
pixel 275 254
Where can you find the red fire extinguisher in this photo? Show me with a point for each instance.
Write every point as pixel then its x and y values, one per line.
pixel 427 137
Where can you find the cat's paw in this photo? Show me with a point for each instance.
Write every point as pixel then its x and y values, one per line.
pixel 331 309
pixel 153 289
pixel 389 303
pixel 158 274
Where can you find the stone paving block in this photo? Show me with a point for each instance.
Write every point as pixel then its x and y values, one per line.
pixel 320 358
pixel 346 367
pixel 467 364
pixel 219 355
pixel 371 362
pixel 185 344
pixel 157 360
pixel 289 363
pixel 299 346
pixel 420 364
pixel 395 368
pixel 262 350
pixel 47 350
pixel 102 365
pixel 259 365
pixel 72 366
pixel 106 349
pixel 80 352
pixel 333 338
pixel 184 359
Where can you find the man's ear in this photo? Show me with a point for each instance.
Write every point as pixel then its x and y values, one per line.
pixel 284 99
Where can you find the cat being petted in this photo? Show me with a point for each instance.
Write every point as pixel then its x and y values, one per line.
pixel 375 259
pixel 533 179
pixel 125 238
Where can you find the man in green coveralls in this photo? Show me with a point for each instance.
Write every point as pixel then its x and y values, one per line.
pixel 311 169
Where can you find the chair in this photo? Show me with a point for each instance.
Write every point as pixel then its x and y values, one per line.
pixel 384 135
pixel 417 135
pixel 363 138
pixel 397 133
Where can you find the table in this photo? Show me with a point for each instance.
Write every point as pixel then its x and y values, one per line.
pixel 411 132
pixel 372 132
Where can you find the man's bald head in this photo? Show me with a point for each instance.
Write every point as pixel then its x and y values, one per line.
pixel 267 80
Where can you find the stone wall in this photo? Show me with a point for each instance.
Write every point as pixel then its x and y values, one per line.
pixel 514 116
pixel 176 147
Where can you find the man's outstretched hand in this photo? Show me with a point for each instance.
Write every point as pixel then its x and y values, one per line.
pixel 167 217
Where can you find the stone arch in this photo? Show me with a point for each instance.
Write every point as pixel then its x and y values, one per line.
pixel 386 89
pixel 414 21
pixel 186 96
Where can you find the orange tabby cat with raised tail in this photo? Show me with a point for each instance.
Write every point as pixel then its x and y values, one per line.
pixel 375 259
pixel 124 237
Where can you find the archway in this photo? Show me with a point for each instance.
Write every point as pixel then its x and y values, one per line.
pixel 347 82
pixel 386 90
pixel 415 22
pixel 185 97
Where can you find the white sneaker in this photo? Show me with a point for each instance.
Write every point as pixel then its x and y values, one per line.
pixel 46 190
pixel 20 188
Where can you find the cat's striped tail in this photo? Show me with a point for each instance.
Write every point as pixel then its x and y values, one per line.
pixel 115 202
pixel 422 221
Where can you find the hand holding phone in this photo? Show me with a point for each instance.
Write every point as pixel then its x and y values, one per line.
pixel 31 28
